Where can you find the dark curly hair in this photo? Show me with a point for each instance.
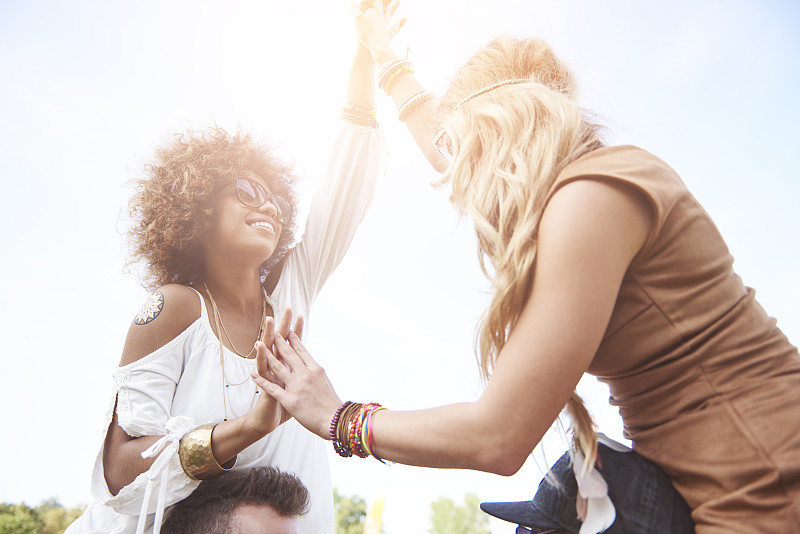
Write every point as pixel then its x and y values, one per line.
pixel 171 208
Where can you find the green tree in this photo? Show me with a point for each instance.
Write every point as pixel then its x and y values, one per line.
pixel 55 517
pixel 449 518
pixel 47 518
pixel 19 519
pixel 349 513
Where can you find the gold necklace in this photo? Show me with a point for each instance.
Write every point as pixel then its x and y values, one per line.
pixel 221 326
pixel 226 384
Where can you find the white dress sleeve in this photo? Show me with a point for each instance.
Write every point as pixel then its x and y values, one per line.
pixel 143 392
pixel 337 208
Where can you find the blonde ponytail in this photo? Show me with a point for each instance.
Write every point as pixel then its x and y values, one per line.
pixel 583 429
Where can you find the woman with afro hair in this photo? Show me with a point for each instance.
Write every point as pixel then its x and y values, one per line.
pixel 213 228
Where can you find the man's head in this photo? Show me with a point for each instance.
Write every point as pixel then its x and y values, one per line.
pixel 262 500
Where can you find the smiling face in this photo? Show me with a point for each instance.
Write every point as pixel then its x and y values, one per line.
pixel 241 232
pixel 182 193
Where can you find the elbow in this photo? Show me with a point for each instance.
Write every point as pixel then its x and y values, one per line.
pixel 505 464
pixel 114 477
pixel 438 163
pixel 498 454
pixel 114 472
pixel 497 447
pixel 436 160
pixel 113 486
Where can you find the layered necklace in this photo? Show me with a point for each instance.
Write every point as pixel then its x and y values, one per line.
pixel 226 384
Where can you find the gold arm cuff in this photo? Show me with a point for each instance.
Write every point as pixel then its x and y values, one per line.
pixel 196 456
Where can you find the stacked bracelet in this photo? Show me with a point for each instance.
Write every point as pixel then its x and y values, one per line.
pixel 338 446
pixel 365 424
pixel 412 104
pixel 351 429
pixel 359 113
pixel 197 458
pixel 390 71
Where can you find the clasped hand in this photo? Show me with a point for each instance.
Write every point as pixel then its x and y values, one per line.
pixel 289 375
pixel 376 24
pixel 268 414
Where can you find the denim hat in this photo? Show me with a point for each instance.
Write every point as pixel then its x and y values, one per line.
pixel 641 492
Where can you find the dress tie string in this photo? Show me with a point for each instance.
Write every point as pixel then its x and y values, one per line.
pixel 177 427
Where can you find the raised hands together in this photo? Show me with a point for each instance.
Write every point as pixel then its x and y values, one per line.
pixel 268 413
pixel 289 375
pixel 376 26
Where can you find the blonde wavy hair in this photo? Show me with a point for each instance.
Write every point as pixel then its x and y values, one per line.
pixel 509 145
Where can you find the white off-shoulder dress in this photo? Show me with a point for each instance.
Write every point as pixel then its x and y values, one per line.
pixel 180 385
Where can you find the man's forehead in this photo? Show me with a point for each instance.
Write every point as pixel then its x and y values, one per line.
pixel 261 519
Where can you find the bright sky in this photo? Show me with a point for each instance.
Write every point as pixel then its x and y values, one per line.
pixel 88 88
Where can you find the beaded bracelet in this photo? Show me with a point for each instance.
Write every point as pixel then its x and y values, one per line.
pixel 387 68
pixel 351 429
pixel 355 440
pixel 391 71
pixel 338 446
pixel 412 104
pixel 387 87
pixel 342 444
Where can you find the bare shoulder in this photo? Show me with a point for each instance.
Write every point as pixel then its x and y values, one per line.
pixel 165 313
pixel 600 208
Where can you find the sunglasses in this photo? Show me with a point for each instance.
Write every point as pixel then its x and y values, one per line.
pixel 442 143
pixel 253 195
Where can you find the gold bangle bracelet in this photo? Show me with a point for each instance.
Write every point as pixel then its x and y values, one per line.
pixel 197 458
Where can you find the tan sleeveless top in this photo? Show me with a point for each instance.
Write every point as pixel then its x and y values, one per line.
pixel 708 387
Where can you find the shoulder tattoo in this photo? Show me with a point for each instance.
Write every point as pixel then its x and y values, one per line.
pixel 151 308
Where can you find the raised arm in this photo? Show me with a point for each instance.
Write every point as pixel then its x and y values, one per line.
pixel 590 232
pixel 342 198
pixel 376 25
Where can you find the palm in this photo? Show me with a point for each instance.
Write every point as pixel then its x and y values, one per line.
pixel 375 23
pixel 268 414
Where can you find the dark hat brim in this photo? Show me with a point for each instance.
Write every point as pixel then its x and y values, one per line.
pixel 642 493
pixel 523 513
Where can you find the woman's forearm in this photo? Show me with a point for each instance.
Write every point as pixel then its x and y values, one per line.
pixel 361 84
pixel 422 122
pixel 122 454
pixel 232 437
pixel 462 436
pixel 376 25
pixel 122 457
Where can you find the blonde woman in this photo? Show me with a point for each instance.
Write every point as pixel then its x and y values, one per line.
pixel 601 262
